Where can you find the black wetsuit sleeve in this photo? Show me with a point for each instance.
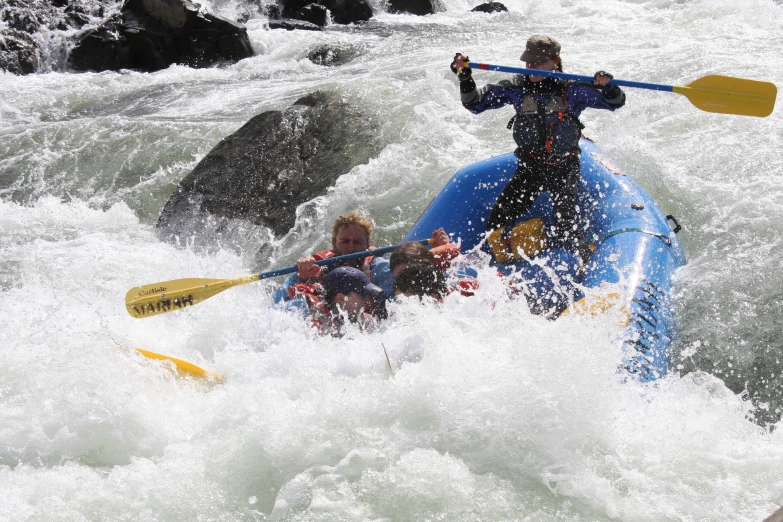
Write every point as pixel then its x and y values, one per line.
pixel 467 88
pixel 491 96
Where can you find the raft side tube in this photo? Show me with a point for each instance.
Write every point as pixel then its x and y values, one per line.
pixel 634 244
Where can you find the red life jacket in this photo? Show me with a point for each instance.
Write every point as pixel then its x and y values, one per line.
pixel 466 286
pixel 320 314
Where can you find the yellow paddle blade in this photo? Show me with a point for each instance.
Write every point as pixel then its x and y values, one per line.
pixel 168 296
pixel 183 366
pixel 727 95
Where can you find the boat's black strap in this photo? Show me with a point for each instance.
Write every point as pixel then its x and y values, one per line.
pixel 660 236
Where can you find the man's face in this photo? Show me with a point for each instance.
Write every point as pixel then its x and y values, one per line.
pixel 350 239
pixel 352 303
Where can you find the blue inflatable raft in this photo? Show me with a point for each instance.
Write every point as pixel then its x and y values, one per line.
pixel 636 250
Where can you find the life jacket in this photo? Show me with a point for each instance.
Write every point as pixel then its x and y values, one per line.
pixel 466 286
pixel 321 316
pixel 546 131
pixel 311 293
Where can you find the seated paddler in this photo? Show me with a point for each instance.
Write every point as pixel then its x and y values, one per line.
pixel 422 272
pixel 346 295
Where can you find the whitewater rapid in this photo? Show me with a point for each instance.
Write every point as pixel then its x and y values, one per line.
pixel 493 414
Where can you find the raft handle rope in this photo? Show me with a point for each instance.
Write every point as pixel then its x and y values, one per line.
pixel 677 226
pixel 666 239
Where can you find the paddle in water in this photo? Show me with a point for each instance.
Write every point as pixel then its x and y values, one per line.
pixel 714 93
pixel 168 296
pixel 183 366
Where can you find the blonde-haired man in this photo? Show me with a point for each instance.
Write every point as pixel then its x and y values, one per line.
pixel 351 233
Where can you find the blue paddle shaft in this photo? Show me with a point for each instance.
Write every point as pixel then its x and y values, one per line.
pixel 566 76
pixel 337 259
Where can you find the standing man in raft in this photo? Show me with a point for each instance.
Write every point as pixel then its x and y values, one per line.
pixel 546 129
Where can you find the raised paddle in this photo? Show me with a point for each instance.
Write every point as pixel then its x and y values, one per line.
pixel 722 94
pixel 167 296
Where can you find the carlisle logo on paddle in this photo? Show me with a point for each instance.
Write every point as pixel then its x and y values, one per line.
pixel 152 291
pixel 164 305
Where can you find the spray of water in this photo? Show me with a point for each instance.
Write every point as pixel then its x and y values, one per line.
pixel 493 413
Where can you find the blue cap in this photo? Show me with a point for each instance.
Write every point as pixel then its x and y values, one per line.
pixel 347 279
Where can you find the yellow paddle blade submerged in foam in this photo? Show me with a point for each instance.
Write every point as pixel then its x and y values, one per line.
pixel 183 366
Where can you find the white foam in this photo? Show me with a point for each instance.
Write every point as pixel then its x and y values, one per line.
pixel 493 413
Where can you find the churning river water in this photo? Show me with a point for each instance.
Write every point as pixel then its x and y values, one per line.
pixel 493 414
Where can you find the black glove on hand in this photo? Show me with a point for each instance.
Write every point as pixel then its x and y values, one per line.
pixel 610 91
pixel 463 74
pixel 454 63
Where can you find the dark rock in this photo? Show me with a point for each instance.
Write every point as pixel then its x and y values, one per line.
pixel 23 20
pixel 313 13
pixel 76 17
pixel 417 7
pixel 273 12
pixel 290 7
pixel 274 163
pixel 328 56
pixel 150 35
pixel 31 17
pixel 489 7
pixel 18 53
pixel 342 11
pixel 290 25
pixel 104 48
pixel 348 11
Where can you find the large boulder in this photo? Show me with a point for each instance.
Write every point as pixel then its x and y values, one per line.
pixel 274 163
pixel 417 7
pixel 149 35
pixel 490 7
pixel 342 11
